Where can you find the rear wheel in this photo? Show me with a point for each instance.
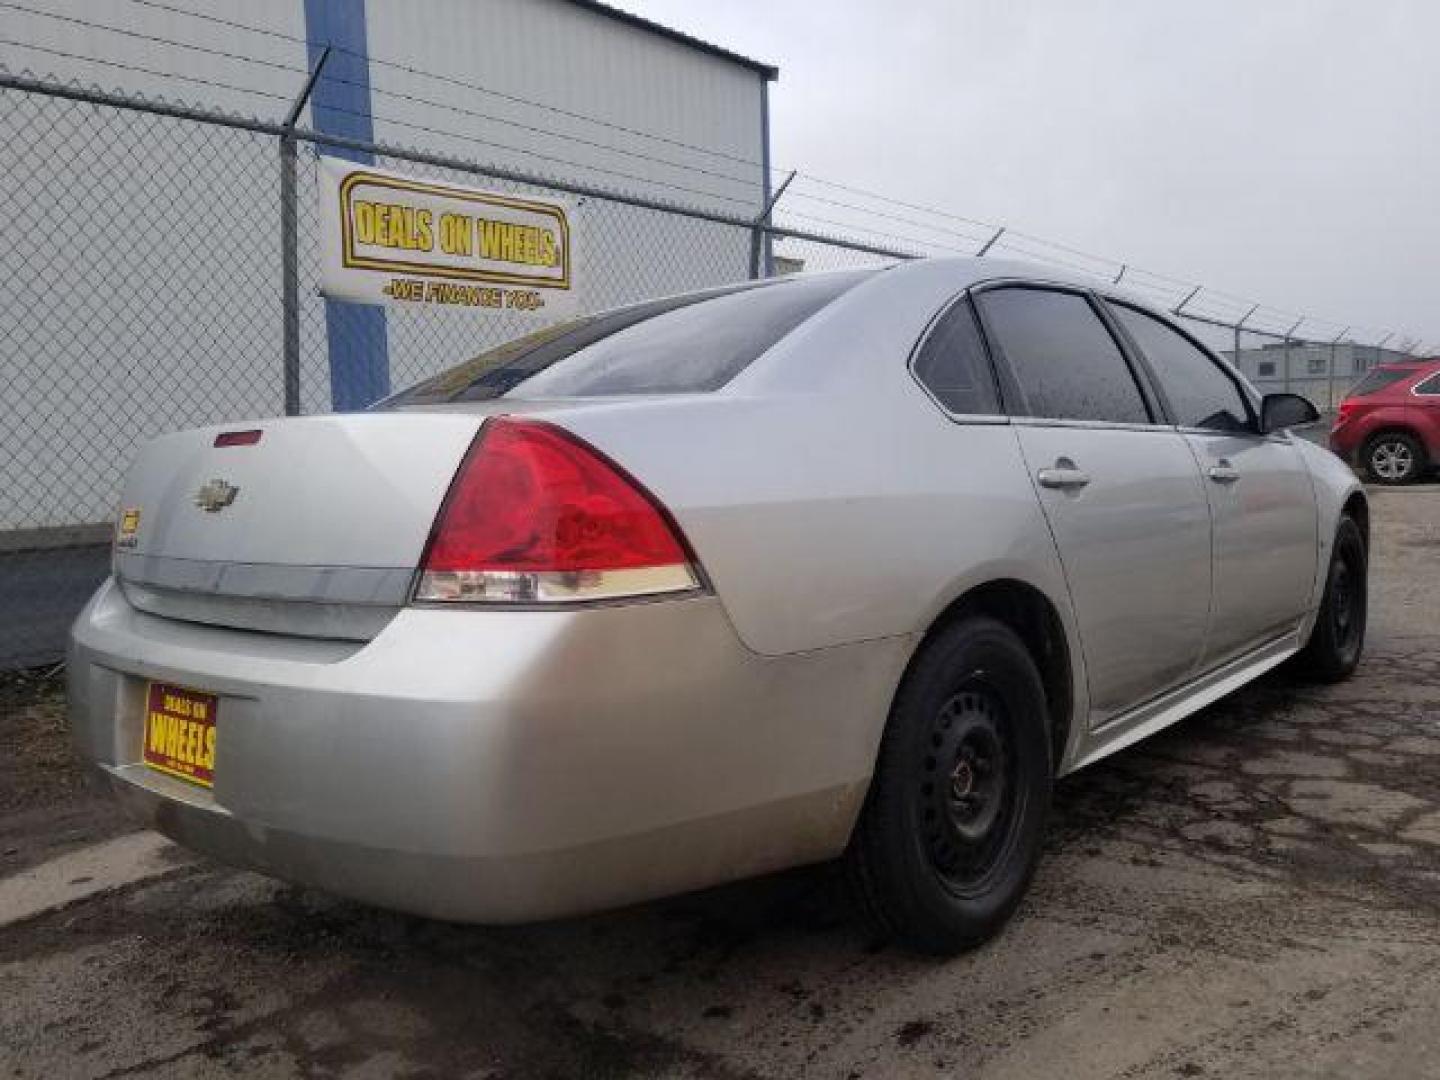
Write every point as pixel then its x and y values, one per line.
pixel 952 827
pixel 1394 458
pixel 1338 638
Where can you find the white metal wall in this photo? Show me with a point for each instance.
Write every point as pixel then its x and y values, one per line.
pixel 146 179
pixel 574 59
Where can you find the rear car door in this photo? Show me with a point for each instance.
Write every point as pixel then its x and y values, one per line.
pixel 1262 502
pixel 1120 490
pixel 1425 406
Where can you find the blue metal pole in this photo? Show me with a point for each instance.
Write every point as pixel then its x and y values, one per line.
pixel 356 335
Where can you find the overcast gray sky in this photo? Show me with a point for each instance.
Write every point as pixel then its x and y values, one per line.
pixel 1287 150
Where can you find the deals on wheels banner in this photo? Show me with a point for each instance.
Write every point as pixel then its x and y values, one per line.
pixel 389 238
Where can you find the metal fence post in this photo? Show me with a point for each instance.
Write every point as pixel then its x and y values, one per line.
pixel 1333 343
pixel 1239 326
pixel 290 241
pixel 985 248
pixel 759 230
pixel 1179 309
pixel 1287 350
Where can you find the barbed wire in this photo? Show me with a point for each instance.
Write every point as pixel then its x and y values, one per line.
pixel 919 242
pixel 900 218
pixel 140 69
pixel 529 152
pixel 328 77
pixel 410 69
pixel 446 133
pixel 852 189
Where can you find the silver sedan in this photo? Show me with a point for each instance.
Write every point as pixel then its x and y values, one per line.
pixel 841 565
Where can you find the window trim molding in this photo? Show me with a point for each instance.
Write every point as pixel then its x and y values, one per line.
pixel 1093 425
pixel 1019 409
pixel 1001 415
pixel 1433 377
pixel 1228 370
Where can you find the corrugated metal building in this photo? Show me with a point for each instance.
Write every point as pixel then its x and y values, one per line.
pixel 525 77
pixel 161 238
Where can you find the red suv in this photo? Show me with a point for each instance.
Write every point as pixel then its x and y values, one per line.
pixel 1389 423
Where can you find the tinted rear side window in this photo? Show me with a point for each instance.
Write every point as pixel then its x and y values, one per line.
pixel 685 344
pixel 1200 394
pixel 953 366
pixel 1066 363
pixel 1377 379
pixel 1430 387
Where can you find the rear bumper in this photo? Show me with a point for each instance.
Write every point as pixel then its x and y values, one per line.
pixel 496 766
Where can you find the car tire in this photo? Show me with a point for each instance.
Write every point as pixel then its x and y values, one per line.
pixel 1338 637
pixel 954 820
pixel 1394 458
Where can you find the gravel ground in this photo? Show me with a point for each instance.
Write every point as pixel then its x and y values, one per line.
pixel 48 804
pixel 1255 893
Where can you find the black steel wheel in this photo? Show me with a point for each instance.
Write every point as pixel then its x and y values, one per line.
pixel 953 823
pixel 1338 639
pixel 967 786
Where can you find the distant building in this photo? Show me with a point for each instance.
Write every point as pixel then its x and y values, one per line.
pixel 1306 367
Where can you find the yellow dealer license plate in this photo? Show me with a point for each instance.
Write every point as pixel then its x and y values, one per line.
pixel 180 732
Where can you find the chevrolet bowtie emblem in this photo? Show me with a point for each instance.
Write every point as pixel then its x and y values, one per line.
pixel 215 496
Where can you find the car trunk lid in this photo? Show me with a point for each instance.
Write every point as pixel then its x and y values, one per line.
pixel 314 527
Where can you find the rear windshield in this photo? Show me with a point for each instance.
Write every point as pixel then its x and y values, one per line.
pixel 683 344
pixel 1377 379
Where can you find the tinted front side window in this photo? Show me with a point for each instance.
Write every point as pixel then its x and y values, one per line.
pixel 1064 359
pixel 685 344
pixel 1200 393
pixel 953 366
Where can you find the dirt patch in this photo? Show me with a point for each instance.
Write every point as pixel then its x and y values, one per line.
pixel 37 766
pixel 49 801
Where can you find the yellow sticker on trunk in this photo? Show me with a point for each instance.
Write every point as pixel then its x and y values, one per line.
pixel 128 532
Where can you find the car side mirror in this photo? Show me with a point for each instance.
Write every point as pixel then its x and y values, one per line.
pixel 1281 411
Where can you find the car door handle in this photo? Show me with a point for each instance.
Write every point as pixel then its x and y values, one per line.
pixel 1222 472
pixel 1063 475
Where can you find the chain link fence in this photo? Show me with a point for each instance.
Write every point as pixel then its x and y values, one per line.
pixel 631 253
pixel 146 253
pixel 117 229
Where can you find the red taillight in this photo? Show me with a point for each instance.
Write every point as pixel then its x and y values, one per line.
pixel 1347 406
pixel 238 438
pixel 535 514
